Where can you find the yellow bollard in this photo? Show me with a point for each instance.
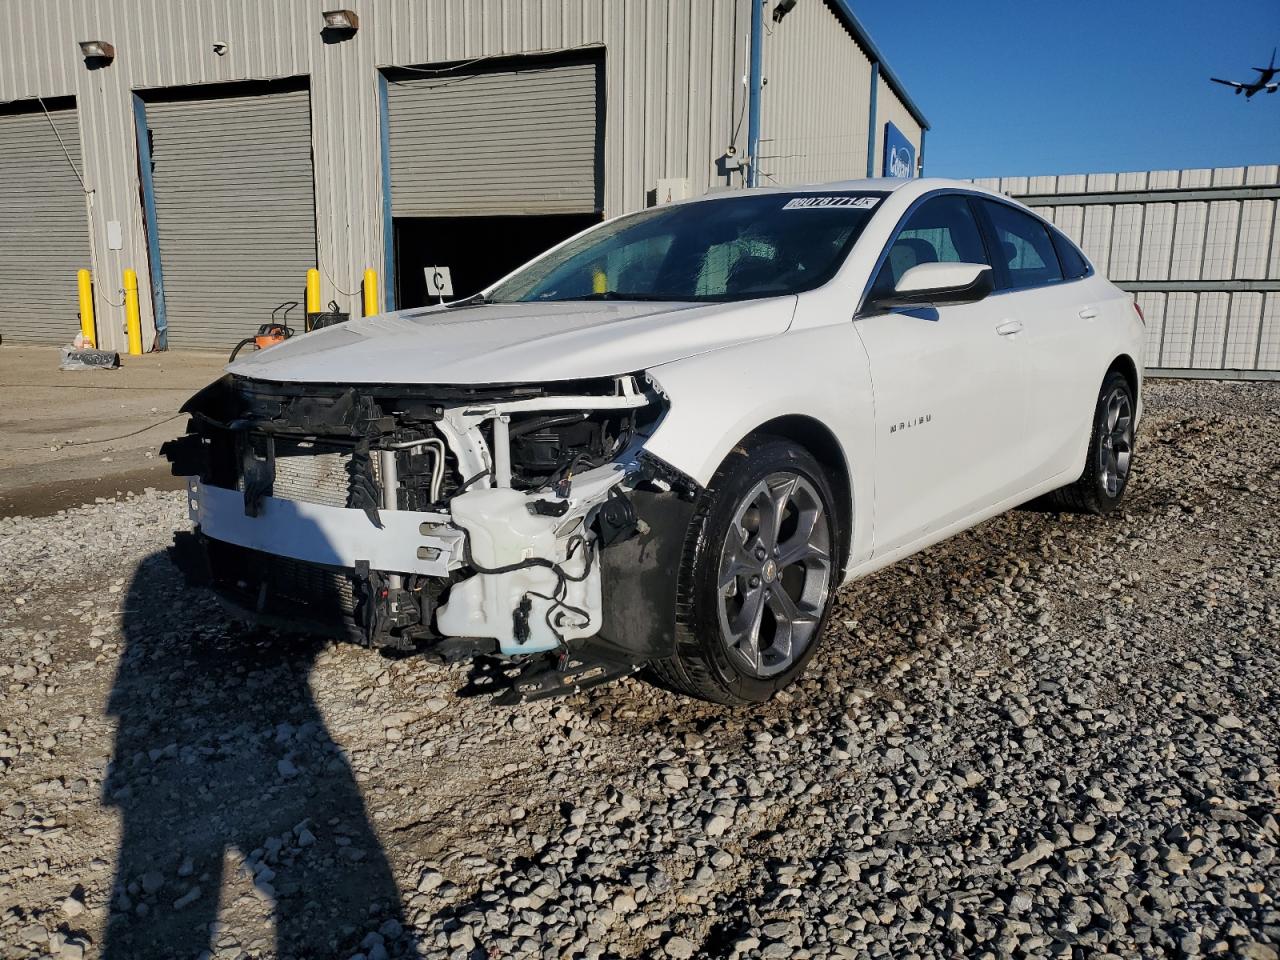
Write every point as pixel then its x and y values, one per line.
pixel 313 291
pixel 599 282
pixel 370 292
pixel 85 283
pixel 132 320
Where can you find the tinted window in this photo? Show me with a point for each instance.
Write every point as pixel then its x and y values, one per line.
pixel 1074 265
pixel 941 230
pixel 1023 246
pixel 725 249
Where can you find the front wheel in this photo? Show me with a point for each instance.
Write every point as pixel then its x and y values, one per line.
pixel 1111 446
pixel 757 576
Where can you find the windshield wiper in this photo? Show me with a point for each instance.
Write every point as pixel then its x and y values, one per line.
pixel 471 301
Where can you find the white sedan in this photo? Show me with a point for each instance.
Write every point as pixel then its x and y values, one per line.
pixel 666 442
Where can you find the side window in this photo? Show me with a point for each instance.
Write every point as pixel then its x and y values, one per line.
pixel 1024 246
pixel 941 230
pixel 1074 265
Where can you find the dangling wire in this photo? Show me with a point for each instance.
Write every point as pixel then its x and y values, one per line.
pixel 93 245
pixel 334 283
pixel 54 127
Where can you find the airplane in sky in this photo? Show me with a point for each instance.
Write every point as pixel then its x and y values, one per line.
pixel 1263 81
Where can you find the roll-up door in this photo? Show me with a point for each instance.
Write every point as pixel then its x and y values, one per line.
pixel 44 236
pixel 521 140
pixel 235 211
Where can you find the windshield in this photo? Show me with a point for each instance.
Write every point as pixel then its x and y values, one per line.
pixel 763 245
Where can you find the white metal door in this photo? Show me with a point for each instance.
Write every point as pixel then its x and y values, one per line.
pixel 1058 317
pixel 950 412
pixel 949 387
pixel 1060 350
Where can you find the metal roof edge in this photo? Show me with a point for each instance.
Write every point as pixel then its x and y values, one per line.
pixel 863 38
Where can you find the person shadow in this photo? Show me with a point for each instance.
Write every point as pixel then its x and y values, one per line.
pixel 223 764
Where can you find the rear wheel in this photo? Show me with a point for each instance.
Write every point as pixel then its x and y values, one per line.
pixel 1110 458
pixel 757 576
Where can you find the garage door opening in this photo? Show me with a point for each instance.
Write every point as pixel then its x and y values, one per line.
pixel 489 164
pixel 477 250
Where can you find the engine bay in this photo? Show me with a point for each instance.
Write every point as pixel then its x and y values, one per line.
pixel 468 518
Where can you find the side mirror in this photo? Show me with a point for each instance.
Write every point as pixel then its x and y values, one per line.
pixel 938 285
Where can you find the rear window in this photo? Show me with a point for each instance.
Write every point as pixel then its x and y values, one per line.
pixel 1023 246
pixel 1074 265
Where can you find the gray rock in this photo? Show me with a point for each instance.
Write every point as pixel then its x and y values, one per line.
pixel 679 948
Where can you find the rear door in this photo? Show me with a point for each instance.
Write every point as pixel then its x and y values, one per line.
pixel 949 388
pixel 1058 335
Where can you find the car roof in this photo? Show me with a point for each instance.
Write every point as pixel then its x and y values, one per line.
pixel 913 185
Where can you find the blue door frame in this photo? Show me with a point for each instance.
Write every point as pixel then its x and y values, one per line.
pixel 388 228
pixel 755 70
pixel 153 229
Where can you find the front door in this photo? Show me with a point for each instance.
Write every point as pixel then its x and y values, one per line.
pixel 950 389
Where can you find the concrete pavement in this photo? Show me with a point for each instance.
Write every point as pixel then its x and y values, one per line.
pixel 68 437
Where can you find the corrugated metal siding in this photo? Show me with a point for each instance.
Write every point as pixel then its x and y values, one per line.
pixel 814 108
pixel 235 208
pixel 1205 269
pixel 43 241
pixel 475 143
pixel 673 78
pixel 890 108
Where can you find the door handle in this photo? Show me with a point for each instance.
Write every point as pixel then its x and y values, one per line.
pixel 1088 313
pixel 1009 328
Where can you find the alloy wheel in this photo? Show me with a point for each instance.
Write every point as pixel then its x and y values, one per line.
pixel 774 574
pixel 1115 441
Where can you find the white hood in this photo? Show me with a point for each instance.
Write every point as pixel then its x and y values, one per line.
pixel 512 343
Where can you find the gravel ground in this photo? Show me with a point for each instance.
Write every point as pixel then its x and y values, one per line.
pixel 1053 736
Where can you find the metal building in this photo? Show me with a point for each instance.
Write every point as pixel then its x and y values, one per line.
pixel 1199 249
pixel 222 147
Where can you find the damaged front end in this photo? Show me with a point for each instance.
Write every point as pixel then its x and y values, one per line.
pixel 526 520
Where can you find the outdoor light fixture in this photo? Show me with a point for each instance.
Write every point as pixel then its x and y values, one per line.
pixel 341 20
pixel 97 52
pixel 782 8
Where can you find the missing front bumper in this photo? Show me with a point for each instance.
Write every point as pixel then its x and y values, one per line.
pixel 549 567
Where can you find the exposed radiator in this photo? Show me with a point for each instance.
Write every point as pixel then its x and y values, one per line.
pixel 314 471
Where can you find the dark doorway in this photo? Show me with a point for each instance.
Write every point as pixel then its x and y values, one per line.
pixel 477 250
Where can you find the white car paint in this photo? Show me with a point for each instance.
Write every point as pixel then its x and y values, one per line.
pixel 1007 417
pixel 942 420
pixel 509 343
pixel 930 276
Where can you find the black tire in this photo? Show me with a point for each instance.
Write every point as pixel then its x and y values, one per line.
pixel 1097 492
pixel 705 664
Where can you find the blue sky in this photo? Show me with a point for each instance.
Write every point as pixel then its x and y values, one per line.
pixel 1035 87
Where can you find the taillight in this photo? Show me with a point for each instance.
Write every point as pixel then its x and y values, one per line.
pixel 1138 310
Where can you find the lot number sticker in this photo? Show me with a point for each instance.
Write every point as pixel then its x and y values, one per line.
pixel 822 203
